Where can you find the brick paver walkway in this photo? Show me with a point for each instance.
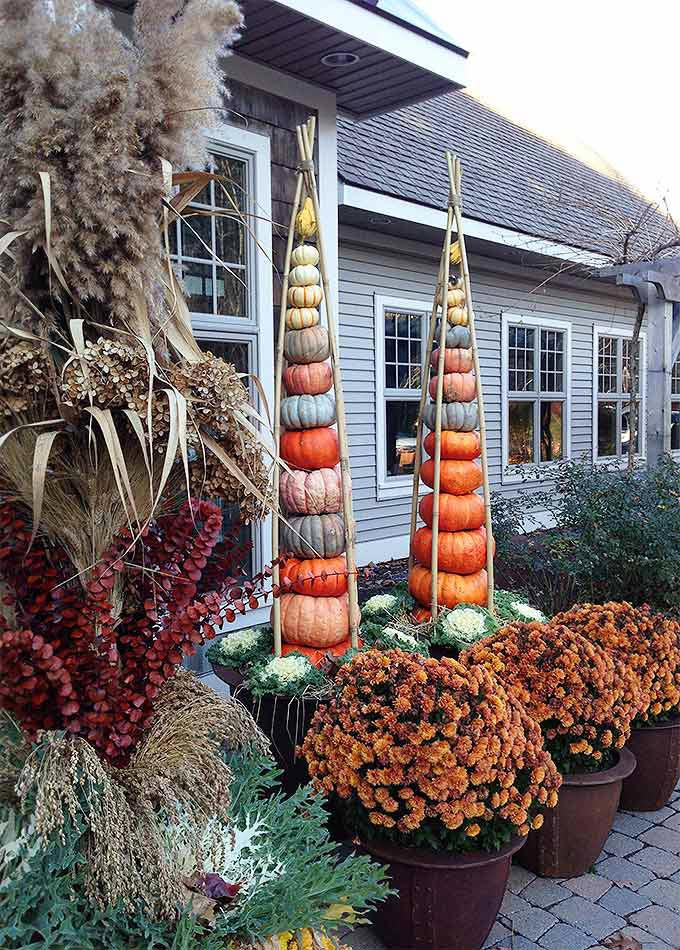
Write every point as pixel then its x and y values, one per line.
pixel 633 890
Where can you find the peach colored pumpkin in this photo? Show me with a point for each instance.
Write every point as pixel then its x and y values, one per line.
pixel 457 316
pixel 318 576
pixel 456 512
pixel 311 493
pixel 455 478
pixel 455 445
pixel 458 387
pixel 308 379
pixel 460 552
pixel 310 448
pixel 452 589
pixel 456 360
pixel 318 622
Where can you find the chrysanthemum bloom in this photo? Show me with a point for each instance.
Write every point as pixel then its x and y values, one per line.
pixel 583 698
pixel 429 752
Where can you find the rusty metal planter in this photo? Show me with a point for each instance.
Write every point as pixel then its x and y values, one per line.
pixel 657 750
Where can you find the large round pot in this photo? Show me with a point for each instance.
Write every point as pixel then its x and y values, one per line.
pixel 228 675
pixel 657 750
pixel 574 832
pixel 446 901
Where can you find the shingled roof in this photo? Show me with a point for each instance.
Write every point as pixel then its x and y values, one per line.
pixel 512 177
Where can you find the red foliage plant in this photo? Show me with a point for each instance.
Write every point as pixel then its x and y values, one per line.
pixel 71 660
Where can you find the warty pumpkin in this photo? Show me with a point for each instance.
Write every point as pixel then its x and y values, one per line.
pixel 313 536
pixel 318 576
pixel 305 296
pixel 456 416
pixel 310 448
pixel 298 318
pixel 456 360
pixel 316 657
pixel 452 589
pixel 458 387
pixel 317 622
pixel 304 275
pixel 458 316
pixel 460 552
pixel 306 346
pixel 304 254
pixel 309 378
pixel 307 412
pixel 456 512
pixel 455 478
pixel 455 445
pixel 311 493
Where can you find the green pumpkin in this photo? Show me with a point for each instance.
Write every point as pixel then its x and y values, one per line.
pixel 456 416
pixel 308 412
pixel 312 536
pixel 306 346
pixel 457 337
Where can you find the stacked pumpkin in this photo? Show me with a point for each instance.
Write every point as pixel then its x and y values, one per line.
pixel 314 602
pixel 462 538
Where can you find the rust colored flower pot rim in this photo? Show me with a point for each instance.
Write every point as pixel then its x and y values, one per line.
pixel 622 769
pixel 673 723
pixel 427 858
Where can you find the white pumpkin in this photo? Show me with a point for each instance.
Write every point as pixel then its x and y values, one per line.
pixel 304 254
pixel 305 296
pixel 304 275
pixel 298 318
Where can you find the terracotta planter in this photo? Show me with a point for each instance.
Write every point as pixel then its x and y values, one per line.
pixel 574 832
pixel 657 750
pixel 446 901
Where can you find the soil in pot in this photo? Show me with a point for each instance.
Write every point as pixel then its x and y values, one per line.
pixel 445 901
pixel 574 832
pixel 657 750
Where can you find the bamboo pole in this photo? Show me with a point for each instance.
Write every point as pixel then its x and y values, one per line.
pixel 434 562
pixel 305 135
pixel 276 620
pixel 455 175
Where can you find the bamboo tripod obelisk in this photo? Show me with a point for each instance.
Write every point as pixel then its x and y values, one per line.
pixel 454 216
pixel 306 182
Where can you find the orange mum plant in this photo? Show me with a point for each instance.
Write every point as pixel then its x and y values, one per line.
pixel 430 753
pixel 648 643
pixel 583 698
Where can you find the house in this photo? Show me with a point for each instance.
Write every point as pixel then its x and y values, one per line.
pixel 386 87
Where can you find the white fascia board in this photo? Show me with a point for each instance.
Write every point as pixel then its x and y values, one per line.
pixel 369 27
pixel 398 208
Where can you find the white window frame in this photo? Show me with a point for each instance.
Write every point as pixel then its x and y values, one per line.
pixel 393 486
pixel 621 333
pixel 512 474
pixel 674 397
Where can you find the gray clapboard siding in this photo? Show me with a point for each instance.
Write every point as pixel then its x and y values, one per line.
pixel 405 269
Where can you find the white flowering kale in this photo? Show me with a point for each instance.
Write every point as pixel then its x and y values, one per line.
pixel 379 604
pixel 291 675
pixel 510 606
pixel 241 647
pixel 464 625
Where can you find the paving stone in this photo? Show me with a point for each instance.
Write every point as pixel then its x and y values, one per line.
pixel 543 892
pixel 590 886
pixel 621 871
pixel 619 900
pixel 363 938
pixel 659 816
pixel 533 923
pixel 663 838
pixel 621 845
pixel 499 934
pixel 512 905
pixel 519 943
pixel 666 893
pixel 656 859
pixel 630 825
pixel 648 941
pixel 519 878
pixel 661 922
pixel 566 937
pixel 591 918
pixel 673 822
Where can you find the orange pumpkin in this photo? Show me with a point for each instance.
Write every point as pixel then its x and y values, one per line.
pixel 460 552
pixel 318 622
pixel 310 448
pixel 455 445
pixel 456 512
pixel 422 615
pixel 458 387
pixel 452 589
pixel 456 477
pixel 310 379
pixel 316 657
pixel 319 576
pixel 455 360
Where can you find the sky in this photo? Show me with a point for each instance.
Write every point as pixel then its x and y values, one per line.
pixel 599 75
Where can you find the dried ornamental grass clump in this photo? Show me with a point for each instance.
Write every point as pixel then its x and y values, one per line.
pixel 583 698
pixel 648 643
pixel 430 753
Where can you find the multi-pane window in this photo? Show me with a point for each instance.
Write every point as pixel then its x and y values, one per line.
pixel 675 406
pixel 614 385
pixel 536 385
pixel 403 354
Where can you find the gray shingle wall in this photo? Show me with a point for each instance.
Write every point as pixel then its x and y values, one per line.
pixel 409 271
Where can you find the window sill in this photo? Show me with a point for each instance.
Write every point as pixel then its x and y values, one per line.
pixel 391 492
